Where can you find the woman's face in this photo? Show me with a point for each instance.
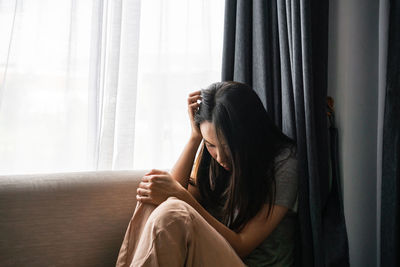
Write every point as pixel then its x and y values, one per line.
pixel 218 149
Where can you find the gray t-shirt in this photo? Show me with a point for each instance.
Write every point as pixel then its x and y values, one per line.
pixel 286 180
pixel 278 248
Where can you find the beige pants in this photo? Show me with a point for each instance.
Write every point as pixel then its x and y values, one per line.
pixel 173 234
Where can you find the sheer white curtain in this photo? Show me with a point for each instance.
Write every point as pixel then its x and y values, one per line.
pixel 101 84
pixel 180 52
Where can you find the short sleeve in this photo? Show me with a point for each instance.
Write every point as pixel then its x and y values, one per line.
pixel 286 179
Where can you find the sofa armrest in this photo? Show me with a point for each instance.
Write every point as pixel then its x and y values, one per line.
pixel 65 219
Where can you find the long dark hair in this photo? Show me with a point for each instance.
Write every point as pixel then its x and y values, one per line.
pixel 253 140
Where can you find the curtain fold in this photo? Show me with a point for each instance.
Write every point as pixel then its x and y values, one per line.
pixel 280 49
pixel 390 200
pixel 113 84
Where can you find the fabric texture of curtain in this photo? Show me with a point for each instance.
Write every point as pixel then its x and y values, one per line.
pixel 280 49
pixel 390 199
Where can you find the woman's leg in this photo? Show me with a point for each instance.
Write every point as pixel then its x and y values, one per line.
pixel 174 234
pixel 133 233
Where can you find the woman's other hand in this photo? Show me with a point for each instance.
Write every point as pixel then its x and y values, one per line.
pixel 156 186
pixel 193 106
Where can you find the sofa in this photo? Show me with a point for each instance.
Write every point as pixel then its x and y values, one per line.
pixel 65 219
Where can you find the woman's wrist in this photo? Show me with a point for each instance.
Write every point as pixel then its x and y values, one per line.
pixel 195 138
pixel 183 194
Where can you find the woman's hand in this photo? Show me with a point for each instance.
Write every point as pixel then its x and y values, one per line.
pixel 193 106
pixel 156 186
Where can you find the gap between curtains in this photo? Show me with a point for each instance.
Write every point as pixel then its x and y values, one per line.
pixel 390 200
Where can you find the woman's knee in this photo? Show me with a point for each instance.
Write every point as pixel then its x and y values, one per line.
pixel 173 203
pixel 172 210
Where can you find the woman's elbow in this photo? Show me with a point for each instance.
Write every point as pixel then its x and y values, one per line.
pixel 243 253
pixel 241 249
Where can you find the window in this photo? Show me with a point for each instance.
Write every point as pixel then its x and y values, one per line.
pixel 90 85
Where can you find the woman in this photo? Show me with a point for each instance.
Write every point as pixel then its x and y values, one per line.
pixel 237 208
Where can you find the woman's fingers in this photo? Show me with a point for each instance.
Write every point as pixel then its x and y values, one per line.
pixel 153 178
pixel 195 93
pixel 194 106
pixel 144 185
pixel 155 171
pixel 146 178
pixel 144 199
pixel 194 99
pixel 143 192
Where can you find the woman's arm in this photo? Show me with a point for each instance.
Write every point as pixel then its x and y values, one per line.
pixel 182 168
pixel 254 232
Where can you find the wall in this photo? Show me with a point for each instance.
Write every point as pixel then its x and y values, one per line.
pixel 353 83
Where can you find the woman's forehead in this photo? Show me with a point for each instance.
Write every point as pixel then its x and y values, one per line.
pixel 209 133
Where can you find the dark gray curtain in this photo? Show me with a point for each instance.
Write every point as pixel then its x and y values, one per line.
pixel 390 211
pixel 280 49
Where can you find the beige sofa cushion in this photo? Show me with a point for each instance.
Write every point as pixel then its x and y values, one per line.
pixel 65 219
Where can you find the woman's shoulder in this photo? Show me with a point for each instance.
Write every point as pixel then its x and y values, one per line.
pixel 286 178
pixel 286 158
